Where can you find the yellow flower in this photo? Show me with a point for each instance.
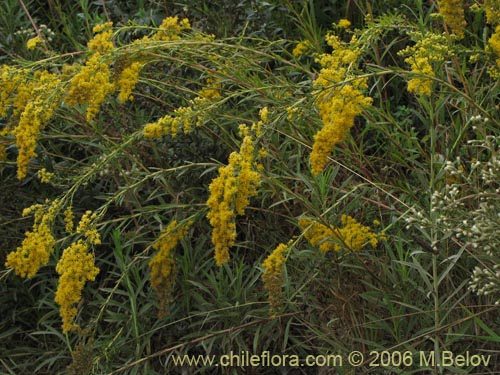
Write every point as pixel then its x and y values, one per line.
pixel 339 103
pixel 212 91
pixel 127 81
pixel 352 235
pixel 184 119
pixel 45 176
pixel 68 219
pixel 37 244
pixel 301 48
pixel 35 99
pixel 428 50
pixel 230 194
pixel 171 28
pixel 102 43
pixel 75 267
pixel 163 266
pixel 492 9
pixel 87 227
pixel 494 43
pixel 273 277
pixel 91 85
pixel 453 15
pixel 264 114
pixel 344 24
pixel 33 42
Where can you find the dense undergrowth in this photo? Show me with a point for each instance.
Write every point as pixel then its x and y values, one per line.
pixel 305 179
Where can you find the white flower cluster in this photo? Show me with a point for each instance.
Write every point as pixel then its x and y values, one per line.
pixel 486 281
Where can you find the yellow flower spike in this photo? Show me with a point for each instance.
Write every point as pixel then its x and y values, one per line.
pixel 68 219
pixel 163 266
pixel 338 104
pixel 351 235
pixel 184 119
pixel 230 194
pixel 492 10
pixel 273 277
pixel 91 86
pixel 453 15
pixel 87 227
pixel 75 267
pixel 38 244
pixel 127 81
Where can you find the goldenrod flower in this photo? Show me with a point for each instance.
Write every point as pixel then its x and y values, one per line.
pixel 91 85
pixel 87 227
pixel 352 235
pixel 230 193
pixel 494 43
pixel 212 91
pixel 344 24
pixel 33 42
pixel 184 119
pixel 429 49
pixel 34 99
pixel 75 267
pixel 37 244
pixel 68 219
pixel 45 176
pixel 273 277
pixel 102 42
pixel 339 103
pixel 127 81
pixel 492 9
pixel 301 48
pixel 453 15
pixel 163 266
pixel 171 28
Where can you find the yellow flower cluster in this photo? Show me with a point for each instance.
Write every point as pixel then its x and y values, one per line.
pixel 453 15
pixel 231 191
pixel 68 219
pixel 492 9
pixel 494 43
pixel 87 227
pixel 75 267
pixel 34 100
pixel 171 28
pixel 273 277
pixel 163 266
pixel 102 42
pixel 301 48
pixel 92 84
pixel 212 91
pixel 344 24
pixel 183 119
pixel 37 244
pixel 352 235
pixel 338 102
pixel 33 42
pixel 429 49
pixel 45 176
pixel 127 81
